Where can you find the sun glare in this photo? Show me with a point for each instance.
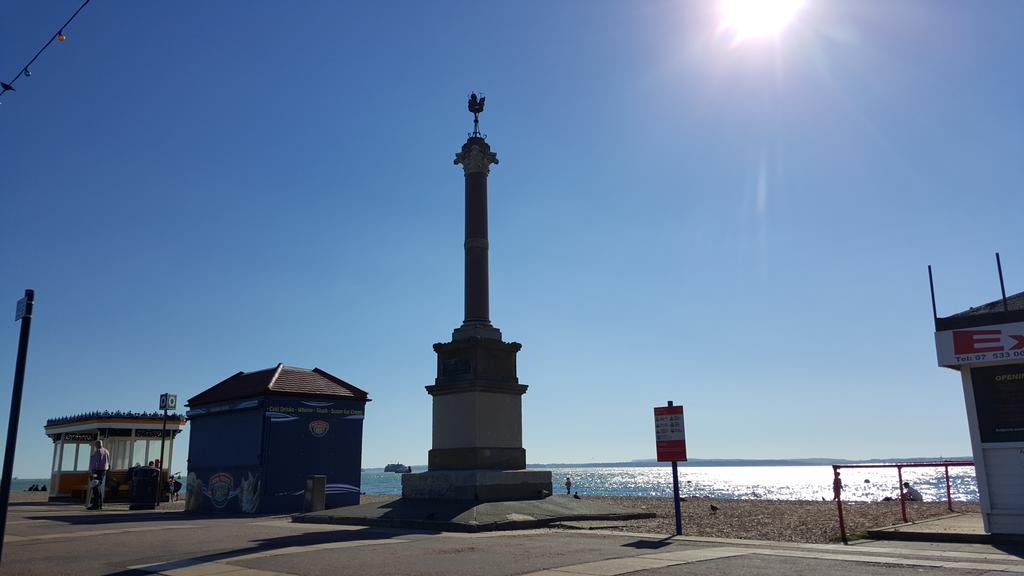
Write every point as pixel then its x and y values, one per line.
pixel 748 19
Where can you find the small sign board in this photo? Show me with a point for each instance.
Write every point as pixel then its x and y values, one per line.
pixel 669 433
pixel 168 401
pixel 154 434
pixel 19 311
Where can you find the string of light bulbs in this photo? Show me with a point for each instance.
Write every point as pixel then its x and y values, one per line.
pixel 25 71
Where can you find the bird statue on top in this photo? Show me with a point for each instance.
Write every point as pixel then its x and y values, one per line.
pixel 476 106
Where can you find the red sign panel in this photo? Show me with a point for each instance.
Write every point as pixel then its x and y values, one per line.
pixel 997 343
pixel 669 434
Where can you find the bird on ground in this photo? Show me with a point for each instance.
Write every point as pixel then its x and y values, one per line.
pixel 714 508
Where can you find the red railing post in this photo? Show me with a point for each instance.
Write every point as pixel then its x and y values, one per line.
pixel 837 494
pixel 903 499
pixel 949 494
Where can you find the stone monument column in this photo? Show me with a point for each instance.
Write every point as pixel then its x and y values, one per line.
pixel 477 440
pixel 476 159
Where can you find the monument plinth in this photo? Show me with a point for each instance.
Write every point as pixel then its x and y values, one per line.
pixel 477 438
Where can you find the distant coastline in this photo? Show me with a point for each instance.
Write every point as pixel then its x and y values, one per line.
pixel 700 462
pixel 693 462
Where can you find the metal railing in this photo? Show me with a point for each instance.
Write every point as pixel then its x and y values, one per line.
pixel 837 484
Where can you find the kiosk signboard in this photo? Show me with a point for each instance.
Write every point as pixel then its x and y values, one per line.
pixel 669 433
pixel 79 436
pixel 980 344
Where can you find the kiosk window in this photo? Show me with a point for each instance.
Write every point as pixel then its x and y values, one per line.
pixel 139 452
pixel 67 461
pixel 119 453
pixel 83 457
pixel 154 451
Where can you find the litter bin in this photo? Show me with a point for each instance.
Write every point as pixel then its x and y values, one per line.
pixel 144 481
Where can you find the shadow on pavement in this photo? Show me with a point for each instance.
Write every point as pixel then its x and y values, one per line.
pixel 44 504
pixel 403 513
pixel 1012 548
pixel 649 544
pixel 83 518
pixel 438 511
pixel 271 544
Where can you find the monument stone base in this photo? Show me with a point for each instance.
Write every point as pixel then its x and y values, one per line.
pixel 477 485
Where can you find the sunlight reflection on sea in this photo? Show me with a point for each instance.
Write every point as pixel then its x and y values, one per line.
pixel 743 482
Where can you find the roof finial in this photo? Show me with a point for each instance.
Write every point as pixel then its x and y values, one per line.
pixel 476 106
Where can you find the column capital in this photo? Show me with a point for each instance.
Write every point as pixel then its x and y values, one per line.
pixel 476 156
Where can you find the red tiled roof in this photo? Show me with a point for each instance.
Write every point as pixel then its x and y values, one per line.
pixel 279 380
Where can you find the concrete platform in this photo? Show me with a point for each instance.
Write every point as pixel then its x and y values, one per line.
pixel 477 485
pixel 963 528
pixel 471 516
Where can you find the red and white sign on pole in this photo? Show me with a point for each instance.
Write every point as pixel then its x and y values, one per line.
pixel 669 433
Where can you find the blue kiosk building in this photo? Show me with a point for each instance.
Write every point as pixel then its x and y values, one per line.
pixel 256 436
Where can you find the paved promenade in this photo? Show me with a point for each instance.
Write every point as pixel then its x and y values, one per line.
pixel 56 539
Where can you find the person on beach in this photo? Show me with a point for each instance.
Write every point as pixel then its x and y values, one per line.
pixel 837 488
pixel 568 485
pixel 99 464
pixel 911 494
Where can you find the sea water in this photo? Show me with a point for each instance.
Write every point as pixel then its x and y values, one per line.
pixel 20 485
pixel 741 482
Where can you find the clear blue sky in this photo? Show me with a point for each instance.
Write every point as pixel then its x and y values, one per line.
pixel 198 188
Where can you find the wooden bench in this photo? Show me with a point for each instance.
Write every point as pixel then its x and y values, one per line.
pixel 117 488
pixel 79 492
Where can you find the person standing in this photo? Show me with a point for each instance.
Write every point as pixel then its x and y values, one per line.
pixel 568 485
pixel 99 464
pixel 837 488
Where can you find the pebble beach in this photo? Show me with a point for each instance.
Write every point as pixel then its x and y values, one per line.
pixel 776 520
pixel 813 522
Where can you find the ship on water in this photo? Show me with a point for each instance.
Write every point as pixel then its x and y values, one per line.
pixel 398 467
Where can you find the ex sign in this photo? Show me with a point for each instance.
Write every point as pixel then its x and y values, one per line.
pixel 168 401
pixel 669 433
pixel 997 343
